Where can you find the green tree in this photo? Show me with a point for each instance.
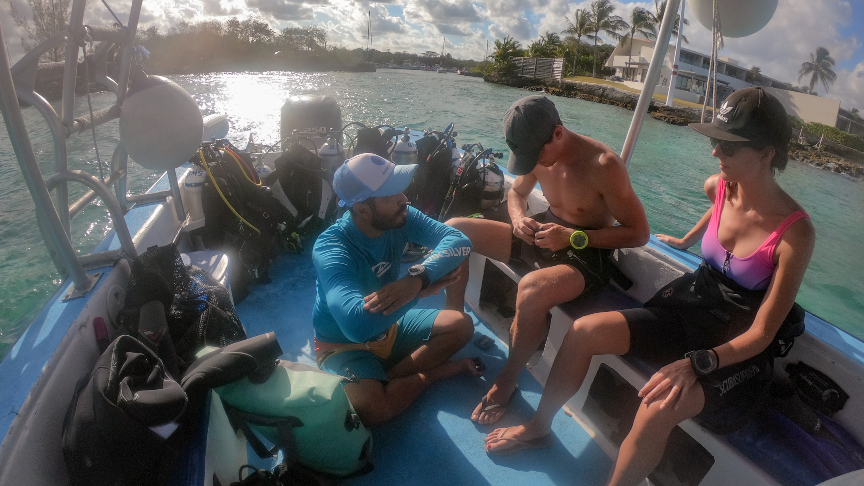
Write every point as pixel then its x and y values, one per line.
pixel 49 19
pixel 548 45
pixel 819 69
pixel 580 27
pixel 661 12
pixel 504 51
pixel 603 20
pixel 642 22
pixel 754 75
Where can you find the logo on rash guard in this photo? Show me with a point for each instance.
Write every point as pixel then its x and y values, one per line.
pixel 450 252
pixel 380 268
pixel 737 379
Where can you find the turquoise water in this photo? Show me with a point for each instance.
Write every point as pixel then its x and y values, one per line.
pixel 667 170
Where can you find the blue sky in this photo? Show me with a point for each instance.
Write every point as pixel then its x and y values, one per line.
pixel 797 29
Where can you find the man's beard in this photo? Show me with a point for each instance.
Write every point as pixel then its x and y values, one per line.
pixel 384 222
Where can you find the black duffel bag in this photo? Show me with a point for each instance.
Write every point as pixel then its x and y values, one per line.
pixel 110 433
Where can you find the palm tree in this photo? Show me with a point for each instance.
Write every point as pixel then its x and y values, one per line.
pixel 754 74
pixel 641 22
pixel 602 20
pixel 548 45
pixel 504 50
pixel 819 68
pixel 661 12
pixel 580 27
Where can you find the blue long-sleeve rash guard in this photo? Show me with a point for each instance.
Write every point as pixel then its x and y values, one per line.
pixel 351 265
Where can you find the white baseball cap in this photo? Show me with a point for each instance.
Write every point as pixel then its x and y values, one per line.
pixel 368 175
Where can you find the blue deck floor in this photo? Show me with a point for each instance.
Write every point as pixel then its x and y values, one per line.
pixel 434 442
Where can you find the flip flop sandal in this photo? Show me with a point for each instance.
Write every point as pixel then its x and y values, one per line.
pixel 497 406
pixel 479 365
pixel 544 442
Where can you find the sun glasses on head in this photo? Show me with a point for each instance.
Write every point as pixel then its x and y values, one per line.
pixel 732 148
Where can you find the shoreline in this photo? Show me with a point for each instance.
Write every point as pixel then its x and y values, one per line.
pixel 677 115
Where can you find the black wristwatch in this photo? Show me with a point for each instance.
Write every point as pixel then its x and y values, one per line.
pixel 420 272
pixel 704 361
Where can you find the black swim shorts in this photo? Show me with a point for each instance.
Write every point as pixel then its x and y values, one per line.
pixel 593 263
pixel 661 335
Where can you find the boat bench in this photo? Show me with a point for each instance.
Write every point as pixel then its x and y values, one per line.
pixel 607 402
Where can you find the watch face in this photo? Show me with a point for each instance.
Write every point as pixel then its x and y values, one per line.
pixel 703 360
pixel 579 240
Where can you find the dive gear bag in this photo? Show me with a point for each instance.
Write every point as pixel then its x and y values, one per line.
pixel 305 188
pixel 242 217
pixel 129 419
pixel 197 309
pixel 432 178
pixel 304 412
pixel 117 427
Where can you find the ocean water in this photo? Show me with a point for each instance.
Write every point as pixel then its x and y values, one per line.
pixel 667 171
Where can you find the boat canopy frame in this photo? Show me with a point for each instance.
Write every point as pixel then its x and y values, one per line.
pixel 18 83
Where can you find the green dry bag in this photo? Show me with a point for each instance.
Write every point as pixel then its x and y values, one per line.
pixel 304 412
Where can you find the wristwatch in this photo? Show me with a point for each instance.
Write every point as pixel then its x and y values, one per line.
pixel 704 361
pixel 420 272
pixel 579 240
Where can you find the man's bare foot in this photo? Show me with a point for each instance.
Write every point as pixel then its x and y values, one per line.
pixel 513 439
pixel 458 367
pixel 494 405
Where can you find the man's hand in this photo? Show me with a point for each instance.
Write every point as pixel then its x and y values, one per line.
pixel 393 296
pixel 524 229
pixel 553 236
pixel 674 377
pixel 442 282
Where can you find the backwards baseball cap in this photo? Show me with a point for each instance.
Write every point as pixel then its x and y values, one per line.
pixel 749 115
pixel 528 124
pixel 368 175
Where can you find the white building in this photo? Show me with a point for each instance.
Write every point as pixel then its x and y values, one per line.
pixel 691 82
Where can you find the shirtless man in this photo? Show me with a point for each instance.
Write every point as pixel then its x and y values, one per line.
pixel 568 247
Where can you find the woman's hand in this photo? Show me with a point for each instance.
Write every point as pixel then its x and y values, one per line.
pixel 524 229
pixel 442 282
pixel 674 377
pixel 672 241
pixel 553 236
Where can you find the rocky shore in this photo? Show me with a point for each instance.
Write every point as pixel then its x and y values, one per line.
pixel 849 163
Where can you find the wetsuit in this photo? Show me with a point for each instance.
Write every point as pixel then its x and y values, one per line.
pixel 593 263
pixel 708 308
pixel 349 266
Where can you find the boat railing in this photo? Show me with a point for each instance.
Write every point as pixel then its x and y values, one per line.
pixel 19 83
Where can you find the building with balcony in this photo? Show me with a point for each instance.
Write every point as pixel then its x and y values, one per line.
pixel 631 63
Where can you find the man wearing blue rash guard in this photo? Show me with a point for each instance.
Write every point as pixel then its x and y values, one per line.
pixel 365 327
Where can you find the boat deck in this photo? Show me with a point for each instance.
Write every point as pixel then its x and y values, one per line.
pixel 434 441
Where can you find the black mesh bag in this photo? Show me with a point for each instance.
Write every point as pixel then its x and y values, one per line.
pixel 198 309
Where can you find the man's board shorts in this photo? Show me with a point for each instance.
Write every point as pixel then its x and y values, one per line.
pixel 374 358
pixel 661 335
pixel 593 263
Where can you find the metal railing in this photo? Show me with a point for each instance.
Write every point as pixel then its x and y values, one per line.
pixel 18 83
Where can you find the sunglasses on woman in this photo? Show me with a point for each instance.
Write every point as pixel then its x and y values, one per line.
pixel 732 148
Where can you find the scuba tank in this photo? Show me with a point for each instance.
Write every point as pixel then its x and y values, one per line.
pixel 405 152
pixel 190 194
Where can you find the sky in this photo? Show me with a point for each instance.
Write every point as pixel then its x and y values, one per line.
pixel 796 30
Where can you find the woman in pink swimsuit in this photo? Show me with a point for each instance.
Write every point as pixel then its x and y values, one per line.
pixel 713 353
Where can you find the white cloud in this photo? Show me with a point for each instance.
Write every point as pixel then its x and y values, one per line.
pixel 797 29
